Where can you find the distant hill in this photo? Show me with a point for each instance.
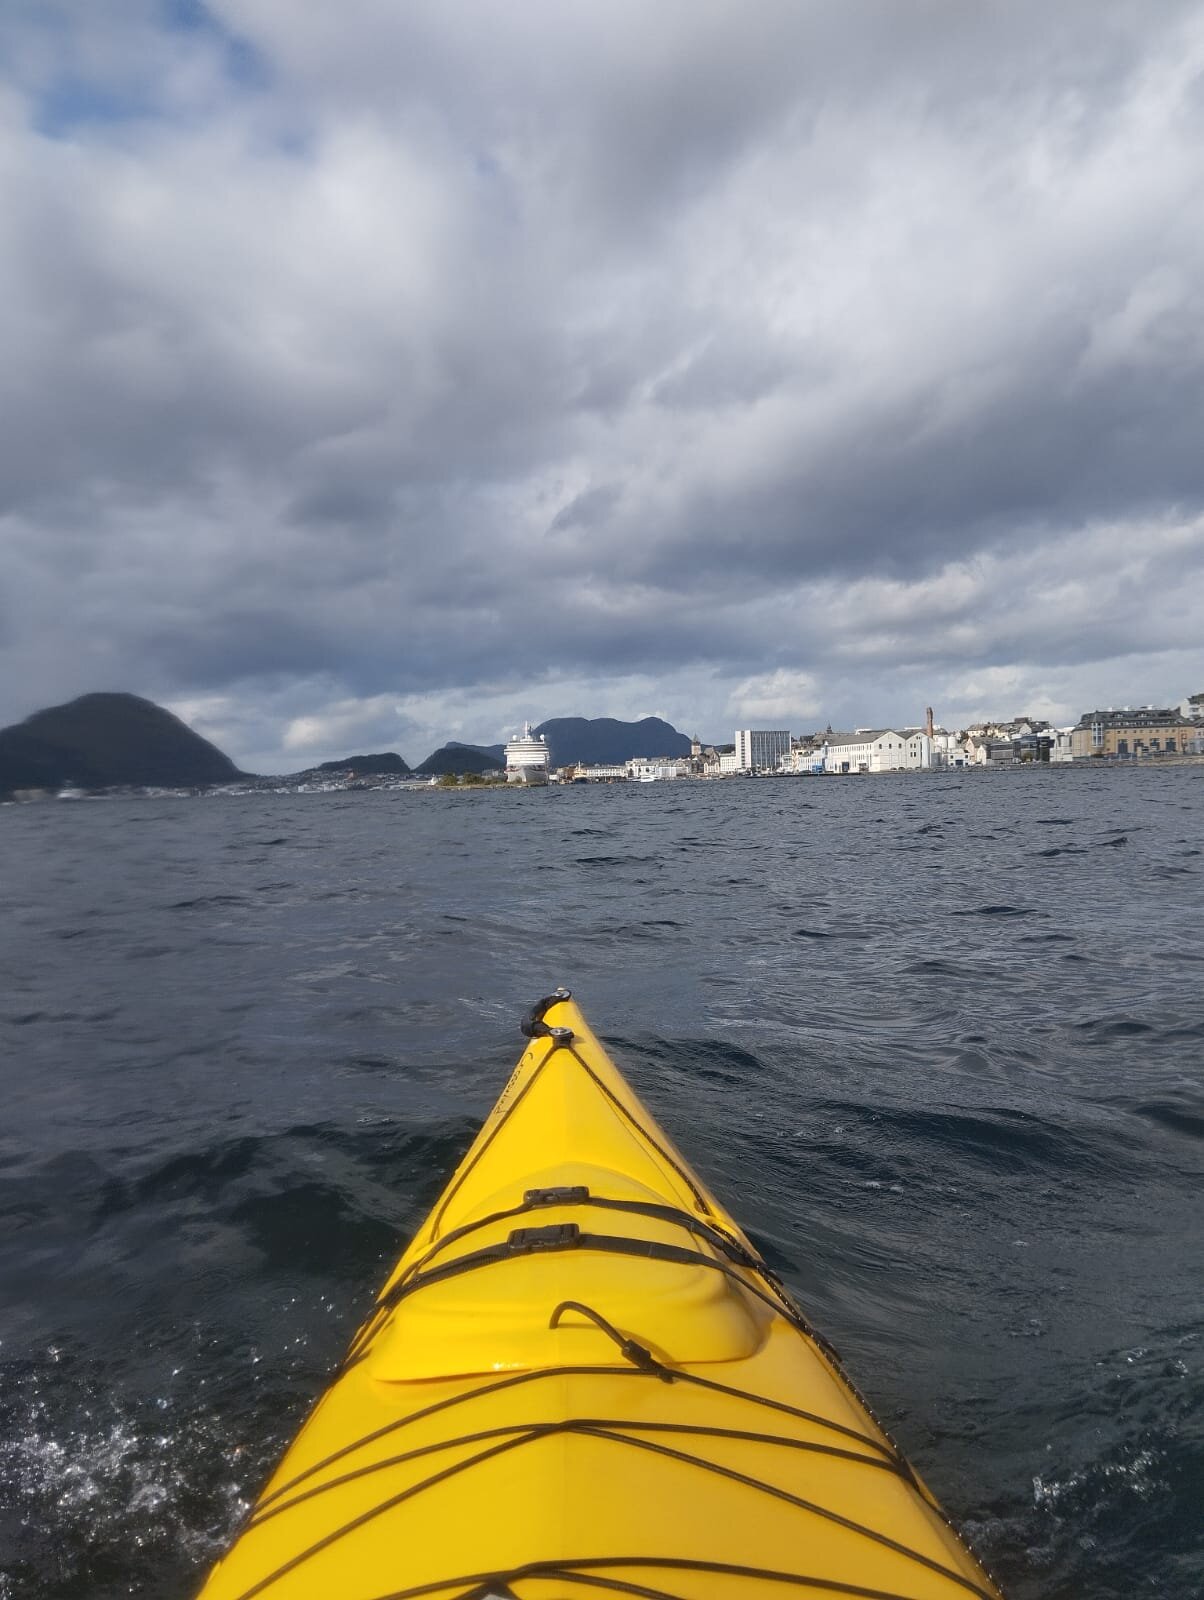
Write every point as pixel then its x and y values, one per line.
pixel 459 758
pixel 103 740
pixel 603 740
pixel 387 761
pixel 497 751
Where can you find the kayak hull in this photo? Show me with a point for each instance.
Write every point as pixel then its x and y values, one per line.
pixel 581 1377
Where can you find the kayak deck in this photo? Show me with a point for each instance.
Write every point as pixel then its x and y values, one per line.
pixel 581 1378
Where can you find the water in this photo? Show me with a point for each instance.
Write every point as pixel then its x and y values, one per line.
pixel 938 1040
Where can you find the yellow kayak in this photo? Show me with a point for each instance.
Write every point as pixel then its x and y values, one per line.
pixel 582 1379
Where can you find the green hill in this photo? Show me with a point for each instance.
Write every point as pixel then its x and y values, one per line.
pixel 107 740
pixel 387 761
pixel 459 758
pixel 497 751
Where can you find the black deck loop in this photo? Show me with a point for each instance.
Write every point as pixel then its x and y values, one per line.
pixel 638 1354
pixel 534 1027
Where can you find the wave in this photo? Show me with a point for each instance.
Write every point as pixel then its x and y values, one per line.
pixel 999 911
pixel 1178 1118
pixel 999 1138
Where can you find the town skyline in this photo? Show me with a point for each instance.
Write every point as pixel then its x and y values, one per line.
pixel 485 734
pixel 125 740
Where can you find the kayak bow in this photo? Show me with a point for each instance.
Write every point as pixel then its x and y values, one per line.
pixel 581 1377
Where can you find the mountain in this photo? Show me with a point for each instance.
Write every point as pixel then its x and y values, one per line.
pixel 459 758
pixel 101 740
pixel 497 751
pixel 387 761
pixel 603 740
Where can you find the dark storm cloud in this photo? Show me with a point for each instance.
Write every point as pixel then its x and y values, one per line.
pixel 379 371
pixel 1055 449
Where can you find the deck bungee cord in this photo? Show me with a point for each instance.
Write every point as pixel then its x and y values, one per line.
pixel 585 1572
pixel 886 1457
pixel 566 1144
pixel 598 1431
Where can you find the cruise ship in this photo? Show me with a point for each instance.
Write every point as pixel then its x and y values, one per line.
pixel 527 758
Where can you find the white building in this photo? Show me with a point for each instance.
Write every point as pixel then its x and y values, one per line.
pixel 761 749
pixel 650 771
pixel 807 758
pixel 527 758
pixel 947 749
pixel 729 762
pixel 877 750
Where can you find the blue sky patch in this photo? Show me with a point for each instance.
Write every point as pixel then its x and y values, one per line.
pixel 244 64
pixel 72 102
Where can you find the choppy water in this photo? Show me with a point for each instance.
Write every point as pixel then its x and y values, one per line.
pixel 937 1040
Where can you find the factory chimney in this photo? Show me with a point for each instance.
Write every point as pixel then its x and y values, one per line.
pixel 928 725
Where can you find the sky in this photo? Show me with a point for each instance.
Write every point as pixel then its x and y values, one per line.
pixel 378 374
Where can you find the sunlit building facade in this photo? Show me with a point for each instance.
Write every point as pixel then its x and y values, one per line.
pixel 761 749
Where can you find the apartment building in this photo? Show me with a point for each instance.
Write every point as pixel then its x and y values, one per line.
pixel 762 749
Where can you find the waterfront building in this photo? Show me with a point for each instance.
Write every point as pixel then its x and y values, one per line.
pixel 1001 743
pixel 603 773
pixel 948 751
pixel 762 749
pixel 1016 744
pixel 807 755
pixel 877 750
pixel 704 759
pixel 1140 731
pixel 527 758
pixel 729 763
pixel 648 771
pixel 1192 707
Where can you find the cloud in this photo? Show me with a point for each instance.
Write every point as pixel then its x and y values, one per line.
pixel 783 696
pixel 495 361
